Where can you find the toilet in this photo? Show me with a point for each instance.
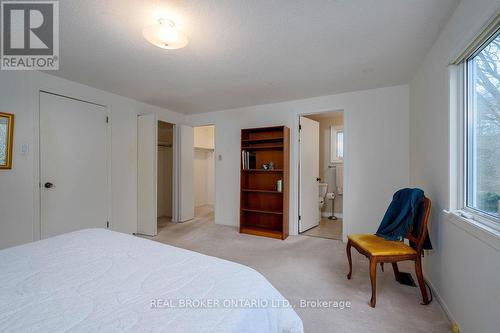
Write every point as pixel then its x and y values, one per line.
pixel 323 189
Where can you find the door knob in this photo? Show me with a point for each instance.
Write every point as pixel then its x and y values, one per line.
pixel 48 185
pixel 318 179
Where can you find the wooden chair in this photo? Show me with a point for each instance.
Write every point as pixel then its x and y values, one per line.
pixel 379 250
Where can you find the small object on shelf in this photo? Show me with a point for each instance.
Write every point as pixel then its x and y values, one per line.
pixel 268 166
pixel 279 185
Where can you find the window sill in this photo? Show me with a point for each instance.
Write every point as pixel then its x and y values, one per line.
pixel 477 229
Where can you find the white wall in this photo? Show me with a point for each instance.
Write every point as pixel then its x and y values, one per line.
pixel 464 271
pixel 377 151
pixel 203 177
pixel 204 166
pixel 18 203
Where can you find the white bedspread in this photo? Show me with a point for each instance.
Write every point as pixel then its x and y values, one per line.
pixel 98 280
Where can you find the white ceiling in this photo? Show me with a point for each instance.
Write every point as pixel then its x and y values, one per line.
pixel 244 52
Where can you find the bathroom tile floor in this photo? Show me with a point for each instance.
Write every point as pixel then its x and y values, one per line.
pixel 331 229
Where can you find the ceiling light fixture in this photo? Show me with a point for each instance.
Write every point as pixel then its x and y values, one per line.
pixel 164 34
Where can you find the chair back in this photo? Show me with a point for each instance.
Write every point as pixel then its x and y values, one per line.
pixel 422 233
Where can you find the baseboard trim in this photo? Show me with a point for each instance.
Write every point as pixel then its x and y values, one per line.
pixel 326 214
pixel 441 302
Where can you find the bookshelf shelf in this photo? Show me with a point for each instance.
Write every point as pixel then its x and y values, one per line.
pixel 262 170
pixel 262 191
pixel 261 232
pixel 264 207
pixel 262 140
pixel 261 211
pixel 263 147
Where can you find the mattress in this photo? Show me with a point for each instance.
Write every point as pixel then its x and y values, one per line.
pixel 99 280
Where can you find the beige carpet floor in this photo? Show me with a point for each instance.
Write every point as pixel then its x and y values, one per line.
pixel 311 268
pixel 331 229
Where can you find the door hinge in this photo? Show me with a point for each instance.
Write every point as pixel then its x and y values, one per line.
pixel 107 224
pixel 300 217
pixel 300 127
pixel 107 119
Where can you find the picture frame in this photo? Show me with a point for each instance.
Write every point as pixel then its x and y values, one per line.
pixel 6 140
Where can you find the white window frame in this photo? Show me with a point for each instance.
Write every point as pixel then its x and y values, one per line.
pixel 334 158
pixel 479 217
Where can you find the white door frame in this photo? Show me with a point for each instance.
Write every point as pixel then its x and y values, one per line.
pixel 35 103
pixel 296 166
pixel 147 182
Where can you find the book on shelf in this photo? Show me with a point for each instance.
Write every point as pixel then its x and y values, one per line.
pixel 248 160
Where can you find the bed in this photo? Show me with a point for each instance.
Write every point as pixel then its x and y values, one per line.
pixel 99 280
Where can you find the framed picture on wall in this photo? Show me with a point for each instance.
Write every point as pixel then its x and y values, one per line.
pixel 6 138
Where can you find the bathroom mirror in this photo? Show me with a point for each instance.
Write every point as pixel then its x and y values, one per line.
pixel 336 144
pixel 6 137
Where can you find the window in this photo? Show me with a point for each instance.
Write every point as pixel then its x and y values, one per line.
pixel 482 130
pixel 336 144
pixel 340 145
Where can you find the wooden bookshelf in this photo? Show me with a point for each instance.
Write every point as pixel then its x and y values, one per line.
pixel 264 209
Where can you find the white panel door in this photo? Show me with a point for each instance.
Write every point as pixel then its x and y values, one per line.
pixel 309 174
pixel 147 143
pixel 73 165
pixel 186 173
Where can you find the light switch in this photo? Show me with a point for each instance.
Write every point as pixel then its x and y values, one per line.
pixel 24 149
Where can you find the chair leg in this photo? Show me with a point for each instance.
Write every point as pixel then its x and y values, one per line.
pixel 396 270
pixel 373 279
pixel 421 282
pixel 348 250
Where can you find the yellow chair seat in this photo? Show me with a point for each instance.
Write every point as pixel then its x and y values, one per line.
pixel 377 246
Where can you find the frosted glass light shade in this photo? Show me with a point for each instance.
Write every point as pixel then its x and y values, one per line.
pixel 164 34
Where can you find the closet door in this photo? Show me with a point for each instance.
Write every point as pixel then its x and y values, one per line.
pixel 73 165
pixel 147 143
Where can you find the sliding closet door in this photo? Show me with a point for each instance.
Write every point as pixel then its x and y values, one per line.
pixel 147 142
pixel 73 165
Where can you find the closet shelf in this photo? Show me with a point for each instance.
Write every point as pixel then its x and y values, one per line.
pixel 165 144
pixel 204 149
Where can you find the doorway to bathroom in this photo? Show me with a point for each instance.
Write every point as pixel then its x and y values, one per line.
pixel 321 174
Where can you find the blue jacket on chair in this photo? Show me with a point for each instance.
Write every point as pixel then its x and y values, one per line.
pixel 404 212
